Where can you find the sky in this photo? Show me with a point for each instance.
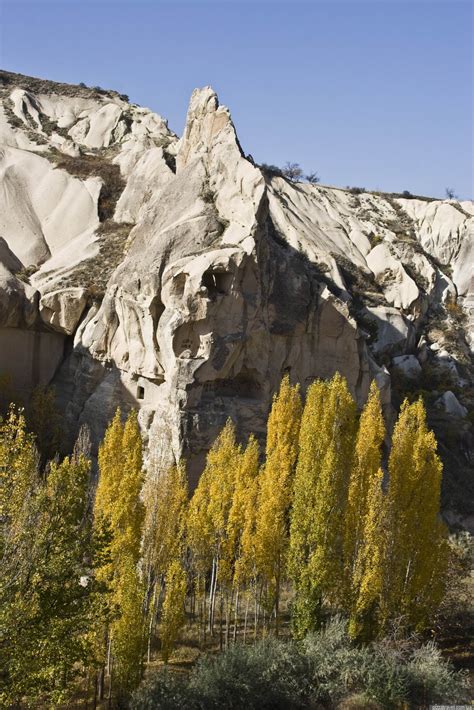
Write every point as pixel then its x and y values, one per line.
pixel 368 93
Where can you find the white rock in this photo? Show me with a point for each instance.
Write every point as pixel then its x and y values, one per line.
pixel 408 364
pixel 227 279
pixel 451 405
pixel 63 309
pixel 394 332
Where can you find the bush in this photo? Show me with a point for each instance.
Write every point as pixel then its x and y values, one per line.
pixel 162 691
pixel 293 172
pixel 326 668
pixel 270 675
pixel 271 170
pixel 431 680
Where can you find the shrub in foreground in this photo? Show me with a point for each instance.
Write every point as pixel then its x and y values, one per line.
pixel 322 671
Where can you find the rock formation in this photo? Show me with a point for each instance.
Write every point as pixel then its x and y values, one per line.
pixel 176 276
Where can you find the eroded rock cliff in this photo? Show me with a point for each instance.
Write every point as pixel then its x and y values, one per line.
pixel 176 276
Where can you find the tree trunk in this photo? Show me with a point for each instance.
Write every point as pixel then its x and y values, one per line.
pixel 221 615
pixel 229 600
pixel 100 684
pixel 214 596
pixel 109 701
pixel 277 600
pixel 151 624
pixel 94 702
pixel 247 604
pixel 236 615
pixel 211 592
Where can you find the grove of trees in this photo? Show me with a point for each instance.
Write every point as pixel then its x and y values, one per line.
pixel 102 574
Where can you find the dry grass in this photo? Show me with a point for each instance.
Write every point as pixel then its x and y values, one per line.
pixel 94 273
pixel 99 165
pixel 8 80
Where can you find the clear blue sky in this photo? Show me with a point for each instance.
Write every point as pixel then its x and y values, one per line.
pixel 374 93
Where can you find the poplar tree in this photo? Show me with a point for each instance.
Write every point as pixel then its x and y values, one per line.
pixel 207 527
pixel 241 529
pixel 166 499
pixel 50 599
pixel 416 550
pixel 368 568
pixel 275 493
pixel 173 616
pixel 118 510
pixel 320 496
pixel 128 630
pixel 19 462
pixel 367 462
pixel 364 522
pixel 242 515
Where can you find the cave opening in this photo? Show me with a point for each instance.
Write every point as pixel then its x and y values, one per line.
pixel 216 282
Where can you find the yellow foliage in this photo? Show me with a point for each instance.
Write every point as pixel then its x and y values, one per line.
pixel 320 495
pixel 173 616
pixel 210 505
pixel 364 522
pixel 166 498
pixel 416 542
pixel 128 629
pixel 368 566
pixel 275 490
pixel 242 515
pixel 119 510
pixel 18 464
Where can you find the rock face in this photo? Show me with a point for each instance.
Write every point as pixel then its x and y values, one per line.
pixel 182 279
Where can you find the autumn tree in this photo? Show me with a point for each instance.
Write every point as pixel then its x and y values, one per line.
pixel 242 514
pixel 127 632
pixel 166 499
pixel 50 598
pixel 208 518
pixel 364 521
pixel 119 510
pixel 321 484
pixel 241 529
pixel 368 567
pixel 275 492
pixel 18 470
pixel 416 549
pixel 173 616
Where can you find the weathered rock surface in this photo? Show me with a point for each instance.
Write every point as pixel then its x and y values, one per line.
pixel 183 280
pixel 449 402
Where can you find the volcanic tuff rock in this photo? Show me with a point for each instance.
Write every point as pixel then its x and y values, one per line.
pixel 176 276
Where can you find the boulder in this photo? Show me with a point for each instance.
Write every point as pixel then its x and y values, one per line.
pixel 62 310
pixel 451 405
pixel 408 365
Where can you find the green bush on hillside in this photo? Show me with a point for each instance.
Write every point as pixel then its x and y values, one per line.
pixel 325 669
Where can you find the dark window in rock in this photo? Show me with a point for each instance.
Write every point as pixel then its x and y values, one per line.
pixel 216 282
pixel 140 392
pixel 246 385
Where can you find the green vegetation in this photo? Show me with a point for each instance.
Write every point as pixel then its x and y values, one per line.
pixel 99 581
pixel 322 671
